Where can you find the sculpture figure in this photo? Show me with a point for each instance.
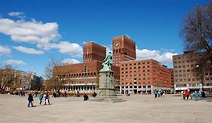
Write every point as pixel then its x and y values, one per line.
pixel 107 62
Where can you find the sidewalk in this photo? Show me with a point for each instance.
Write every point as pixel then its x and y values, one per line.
pixel 137 109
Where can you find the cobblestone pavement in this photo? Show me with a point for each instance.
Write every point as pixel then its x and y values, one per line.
pixel 137 109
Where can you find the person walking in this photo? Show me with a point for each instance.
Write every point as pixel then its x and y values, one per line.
pixel 47 99
pixel 40 98
pixel 30 99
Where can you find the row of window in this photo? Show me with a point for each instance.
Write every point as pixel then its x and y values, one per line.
pixel 79 75
pixel 148 74
pixel 193 85
pixel 192 79
pixel 135 64
pixel 139 67
pixel 135 83
pixel 132 79
pixel 188 61
pixel 179 71
pixel 136 87
pixel 184 66
pixel 183 75
pixel 135 69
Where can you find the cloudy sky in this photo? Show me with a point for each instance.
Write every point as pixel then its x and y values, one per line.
pixel 32 32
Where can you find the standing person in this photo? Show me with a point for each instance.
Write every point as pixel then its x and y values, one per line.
pixel 196 95
pixel 191 95
pixel 30 99
pixel 85 97
pixel 47 98
pixel 156 93
pixel 65 94
pixel 40 98
pixel 159 93
pixel 184 95
pixel 94 94
pixel 187 94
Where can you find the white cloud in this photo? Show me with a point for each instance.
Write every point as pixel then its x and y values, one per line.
pixel 29 32
pixel 162 57
pixel 70 61
pixel 4 50
pixel 17 14
pixel 28 50
pixel 14 62
pixel 73 49
pixel 43 35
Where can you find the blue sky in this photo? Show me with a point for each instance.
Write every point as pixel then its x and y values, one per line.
pixel 33 31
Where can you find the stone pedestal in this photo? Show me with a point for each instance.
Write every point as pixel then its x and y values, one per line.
pixel 106 90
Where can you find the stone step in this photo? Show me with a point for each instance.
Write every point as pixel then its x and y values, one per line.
pixel 113 99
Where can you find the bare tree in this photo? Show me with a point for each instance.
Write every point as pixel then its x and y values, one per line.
pixel 56 74
pixel 9 78
pixel 197 31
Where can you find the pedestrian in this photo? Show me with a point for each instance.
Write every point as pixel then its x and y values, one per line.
pixel 30 99
pixel 159 94
pixel 65 94
pixel 47 98
pixel 156 93
pixel 85 97
pixel 40 98
pixel 191 95
pixel 187 94
pixel 196 95
pixel 184 95
pixel 94 94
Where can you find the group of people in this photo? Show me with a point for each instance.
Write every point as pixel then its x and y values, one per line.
pixel 46 98
pixel 159 94
pixel 40 96
pixel 186 94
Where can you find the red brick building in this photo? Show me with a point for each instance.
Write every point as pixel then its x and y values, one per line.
pixel 144 76
pixel 133 76
pixel 123 49
pixel 93 51
pixel 172 77
pixel 184 76
pixel 83 77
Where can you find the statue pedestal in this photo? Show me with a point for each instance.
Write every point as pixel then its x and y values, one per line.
pixel 106 90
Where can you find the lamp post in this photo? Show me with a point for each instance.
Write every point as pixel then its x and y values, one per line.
pixel 202 79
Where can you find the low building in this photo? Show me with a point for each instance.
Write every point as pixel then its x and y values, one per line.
pixel 82 77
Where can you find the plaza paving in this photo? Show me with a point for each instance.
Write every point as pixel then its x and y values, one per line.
pixel 136 109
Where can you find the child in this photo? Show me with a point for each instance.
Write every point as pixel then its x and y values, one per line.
pixel 196 95
pixel 40 98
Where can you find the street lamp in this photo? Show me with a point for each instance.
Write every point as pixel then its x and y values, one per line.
pixel 202 79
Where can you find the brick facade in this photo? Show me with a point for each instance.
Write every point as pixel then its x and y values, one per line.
pixel 123 49
pixel 93 51
pixel 138 76
pixel 184 77
pixel 131 75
